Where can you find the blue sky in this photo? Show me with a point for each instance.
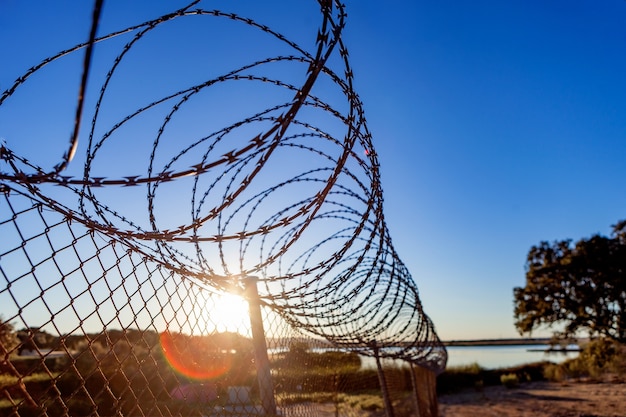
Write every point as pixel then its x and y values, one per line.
pixel 497 125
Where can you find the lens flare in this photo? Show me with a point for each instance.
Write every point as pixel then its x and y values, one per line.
pixel 229 313
pixel 194 357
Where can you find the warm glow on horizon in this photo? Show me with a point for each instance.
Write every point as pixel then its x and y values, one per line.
pixel 212 355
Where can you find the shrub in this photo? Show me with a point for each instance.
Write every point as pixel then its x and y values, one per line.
pixel 7 380
pixel 598 358
pixel 509 380
pixel 366 402
pixel 529 372
pixel 553 372
pixel 455 379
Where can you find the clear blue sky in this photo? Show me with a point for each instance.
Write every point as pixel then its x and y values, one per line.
pixel 498 124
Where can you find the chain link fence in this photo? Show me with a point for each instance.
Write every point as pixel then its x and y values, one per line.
pixel 215 244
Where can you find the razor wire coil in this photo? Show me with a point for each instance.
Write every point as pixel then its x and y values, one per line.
pixel 315 236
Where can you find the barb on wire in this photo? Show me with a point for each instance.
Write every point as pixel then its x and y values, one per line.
pixel 260 165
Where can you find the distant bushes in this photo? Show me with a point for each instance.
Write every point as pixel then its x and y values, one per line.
pixel 509 380
pixel 138 379
pixel 598 359
pixel 455 379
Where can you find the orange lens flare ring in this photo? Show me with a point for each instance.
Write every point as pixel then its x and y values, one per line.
pixel 193 360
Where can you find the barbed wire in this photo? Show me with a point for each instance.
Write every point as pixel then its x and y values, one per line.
pixel 291 193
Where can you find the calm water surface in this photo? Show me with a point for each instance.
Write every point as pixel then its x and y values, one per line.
pixel 491 357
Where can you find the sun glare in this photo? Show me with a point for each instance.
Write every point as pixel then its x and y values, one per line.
pixel 230 314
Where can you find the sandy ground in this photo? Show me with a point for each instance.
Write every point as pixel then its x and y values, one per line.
pixel 539 399
pixel 535 399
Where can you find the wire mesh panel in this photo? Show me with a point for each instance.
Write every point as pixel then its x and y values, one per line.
pixel 211 241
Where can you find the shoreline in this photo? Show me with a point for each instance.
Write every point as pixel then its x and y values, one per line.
pixel 506 342
pixel 557 350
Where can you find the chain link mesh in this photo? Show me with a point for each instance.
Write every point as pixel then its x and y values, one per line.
pixel 129 285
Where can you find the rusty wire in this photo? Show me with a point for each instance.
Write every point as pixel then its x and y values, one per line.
pixel 313 231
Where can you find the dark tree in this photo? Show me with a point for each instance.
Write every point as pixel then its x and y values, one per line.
pixel 8 338
pixel 579 286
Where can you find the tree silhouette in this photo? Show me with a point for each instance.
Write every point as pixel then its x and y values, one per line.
pixel 8 337
pixel 581 286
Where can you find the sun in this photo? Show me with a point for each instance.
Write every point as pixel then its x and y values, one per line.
pixel 229 313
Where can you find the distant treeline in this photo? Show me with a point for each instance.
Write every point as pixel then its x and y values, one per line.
pixel 505 342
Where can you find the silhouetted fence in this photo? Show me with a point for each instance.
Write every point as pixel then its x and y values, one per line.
pixel 215 242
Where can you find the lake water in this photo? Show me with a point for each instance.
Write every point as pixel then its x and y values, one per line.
pixel 491 357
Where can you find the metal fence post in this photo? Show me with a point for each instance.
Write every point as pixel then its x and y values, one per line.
pixel 383 383
pixel 264 376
